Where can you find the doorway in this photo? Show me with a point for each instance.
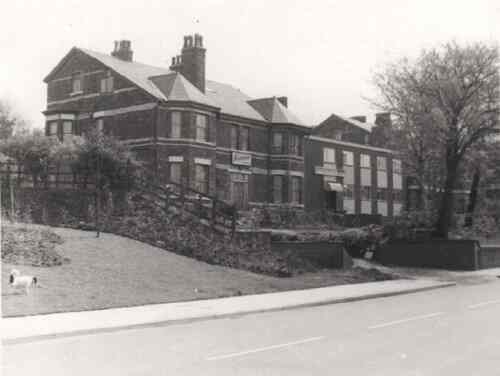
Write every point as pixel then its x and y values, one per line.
pixel 239 191
pixel 331 200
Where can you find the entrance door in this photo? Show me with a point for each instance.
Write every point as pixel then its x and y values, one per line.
pixel 239 191
pixel 331 200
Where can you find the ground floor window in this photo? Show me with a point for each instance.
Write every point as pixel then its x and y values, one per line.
pixel 366 193
pixel 201 178
pixel 277 188
pixel 382 194
pixel 296 190
pixel 397 195
pixel 176 172
pixel 348 192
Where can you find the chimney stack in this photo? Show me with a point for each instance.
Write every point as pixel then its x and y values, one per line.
pixel 283 101
pixel 191 62
pixel 383 119
pixel 122 50
pixel 361 119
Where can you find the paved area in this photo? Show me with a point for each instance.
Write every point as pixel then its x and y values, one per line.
pixel 62 323
pixel 443 332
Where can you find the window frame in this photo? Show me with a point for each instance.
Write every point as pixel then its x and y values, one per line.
pixel 397 166
pixel 234 135
pixel 329 158
pixel 365 158
pixel 53 125
pixel 176 124
pixel 345 159
pixel 201 185
pixel 381 163
pixel 278 193
pixel 77 78
pixel 243 144
pixel 173 167
pixel 201 127
pixel 277 148
pixel 107 83
pixel 296 182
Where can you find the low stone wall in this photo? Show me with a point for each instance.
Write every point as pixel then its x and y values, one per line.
pixel 443 254
pixel 320 253
pixel 489 257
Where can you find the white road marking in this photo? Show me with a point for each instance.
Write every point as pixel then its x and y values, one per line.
pixel 253 351
pixel 484 304
pixel 414 318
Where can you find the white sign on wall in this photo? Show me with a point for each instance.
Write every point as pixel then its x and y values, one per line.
pixel 241 159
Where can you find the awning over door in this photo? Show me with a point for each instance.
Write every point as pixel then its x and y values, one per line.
pixel 333 187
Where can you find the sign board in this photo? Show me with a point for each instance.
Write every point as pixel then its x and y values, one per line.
pixel 241 159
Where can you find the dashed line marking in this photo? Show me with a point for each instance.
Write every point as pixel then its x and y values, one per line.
pixel 482 304
pixel 402 321
pixel 267 348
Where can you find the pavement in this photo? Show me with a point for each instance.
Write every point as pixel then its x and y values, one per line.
pixel 27 328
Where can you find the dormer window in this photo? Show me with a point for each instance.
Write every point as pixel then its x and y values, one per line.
pixel 77 83
pixel 107 83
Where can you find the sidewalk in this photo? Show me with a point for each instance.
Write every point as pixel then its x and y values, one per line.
pixel 29 327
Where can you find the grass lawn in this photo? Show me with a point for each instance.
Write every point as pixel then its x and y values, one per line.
pixel 113 271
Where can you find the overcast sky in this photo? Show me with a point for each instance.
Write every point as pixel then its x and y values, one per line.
pixel 321 54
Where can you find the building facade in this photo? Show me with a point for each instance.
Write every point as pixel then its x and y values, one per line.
pixel 212 137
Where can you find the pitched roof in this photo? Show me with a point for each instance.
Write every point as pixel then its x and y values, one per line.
pixel 231 100
pixel 138 73
pixel 367 127
pixel 274 111
pixel 175 87
pixel 165 84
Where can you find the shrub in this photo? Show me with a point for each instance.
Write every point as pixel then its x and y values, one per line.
pixel 358 241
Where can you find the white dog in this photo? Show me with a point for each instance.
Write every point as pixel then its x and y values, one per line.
pixel 17 280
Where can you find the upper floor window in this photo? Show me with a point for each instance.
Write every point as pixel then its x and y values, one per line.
pixel 234 137
pixel 381 163
pixel 294 144
pixel 396 166
pixel 329 157
pixel 201 127
pixel 77 83
pixel 382 194
pixel 175 130
pixel 348 192
pixel 337 135
pixel 243 138
pixel 107 83
pixel 365 161
pixel 348 158
pixel 277 142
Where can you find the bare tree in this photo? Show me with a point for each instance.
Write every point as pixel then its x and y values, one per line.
pixel 444 102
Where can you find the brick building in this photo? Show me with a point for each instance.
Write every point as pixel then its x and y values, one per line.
pixel 211 136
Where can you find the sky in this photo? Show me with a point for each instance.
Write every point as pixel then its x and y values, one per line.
pixel 320 54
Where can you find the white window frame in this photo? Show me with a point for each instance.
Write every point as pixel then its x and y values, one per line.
pixel 175 124
pixel 53 128
pixel 396 166
pixel 277 144
pixel 329 157
pixel 382 163
pixel 177 176
pixel 107 83
pixel 201 127
pixel 296 182
pixel 365 160
pixel 348 158
pixel 77 83
pixel 278 193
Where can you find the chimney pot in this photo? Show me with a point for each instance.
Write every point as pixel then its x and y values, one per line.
pixel 122 50
pixel 191 63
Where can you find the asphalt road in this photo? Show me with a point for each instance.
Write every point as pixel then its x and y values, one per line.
pixel 452 331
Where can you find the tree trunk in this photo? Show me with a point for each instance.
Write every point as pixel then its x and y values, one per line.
pixel 446 207
pixel 472 197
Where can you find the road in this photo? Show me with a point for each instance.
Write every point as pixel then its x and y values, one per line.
pixel 451 331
